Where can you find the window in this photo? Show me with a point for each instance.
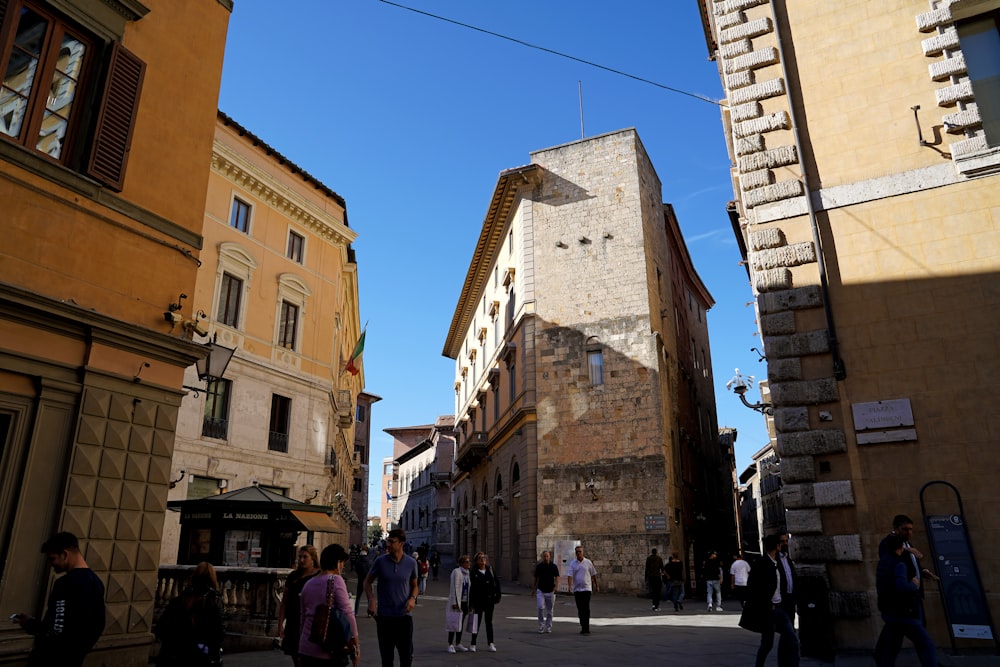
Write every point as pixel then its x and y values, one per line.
pixel 361 413
pixel 203 487
pixel 239 216
pixel 51 101
pixel 296 246
pixel 980 39
pixel 595 364
pixel 511 388
pixel 357 488
pixel 230 292
pixel 281 414
pixel 387 470
pixel 288 325
pixel 216 421
pixel 293 293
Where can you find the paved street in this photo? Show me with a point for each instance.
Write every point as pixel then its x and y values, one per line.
pixel 623 630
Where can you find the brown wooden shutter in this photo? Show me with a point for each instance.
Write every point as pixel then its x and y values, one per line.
pixel 116 118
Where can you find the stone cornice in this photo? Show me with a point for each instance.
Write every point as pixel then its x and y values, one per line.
pixel 234 167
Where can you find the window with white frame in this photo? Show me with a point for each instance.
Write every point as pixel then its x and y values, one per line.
pixel 292 296
pixel 239 215
pixel 236 268
pixel 296 247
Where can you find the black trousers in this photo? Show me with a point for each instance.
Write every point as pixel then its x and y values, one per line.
pixel 583 609
pixel 395 633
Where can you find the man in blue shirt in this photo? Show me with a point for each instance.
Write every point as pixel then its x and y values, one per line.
pixel 396 577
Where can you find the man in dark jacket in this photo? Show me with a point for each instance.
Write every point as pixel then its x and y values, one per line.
pixel 654 578
pixel 899 604
pixel 74 618
pixel 764 612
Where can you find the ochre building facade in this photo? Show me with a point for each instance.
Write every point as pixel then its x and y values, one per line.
pixel 866 167
pixel 278 284
pixel 105 138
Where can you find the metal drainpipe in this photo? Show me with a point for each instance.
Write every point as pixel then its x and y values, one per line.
pixel 839 370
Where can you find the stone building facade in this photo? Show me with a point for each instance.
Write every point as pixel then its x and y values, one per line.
pixel 102 189
pixel 583 386
pixel 277 283
pixel 423 490
pixel 866 168
pixel 361 463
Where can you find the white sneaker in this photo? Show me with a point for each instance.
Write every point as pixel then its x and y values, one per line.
pixel 718 609
pixel 493 648
pixel 548 629
pixel 451 648
pixel 472 649
pixel 461 649
pixel 540 629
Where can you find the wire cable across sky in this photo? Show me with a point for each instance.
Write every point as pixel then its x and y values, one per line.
pixel 555 53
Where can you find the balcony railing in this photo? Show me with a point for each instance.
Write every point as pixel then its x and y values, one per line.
pixel 472 451
pixel 250 598
pixel 215 428
pixel 277 442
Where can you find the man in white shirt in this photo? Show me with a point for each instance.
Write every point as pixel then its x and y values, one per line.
pixel 739 572
pixel 582 581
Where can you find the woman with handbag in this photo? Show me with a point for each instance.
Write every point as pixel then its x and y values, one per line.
pixel 329 635
pixel 191 630
pixel 458 605
pixel 288 611
pixel 483 596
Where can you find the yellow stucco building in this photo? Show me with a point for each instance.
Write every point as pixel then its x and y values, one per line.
pixel 278 284
pixel 866 168
pixel 106 126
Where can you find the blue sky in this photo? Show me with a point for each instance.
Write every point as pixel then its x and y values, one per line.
pixel 411 119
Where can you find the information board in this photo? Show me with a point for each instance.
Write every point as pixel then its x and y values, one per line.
pixel 961 588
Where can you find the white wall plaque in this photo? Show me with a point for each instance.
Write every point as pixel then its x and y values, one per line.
pixel 882 414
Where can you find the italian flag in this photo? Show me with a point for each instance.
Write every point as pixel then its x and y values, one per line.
pixel 352 363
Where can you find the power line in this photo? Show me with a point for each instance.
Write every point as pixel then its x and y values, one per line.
pixel 555 53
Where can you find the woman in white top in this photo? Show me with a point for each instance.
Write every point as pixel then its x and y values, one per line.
pixel 458 602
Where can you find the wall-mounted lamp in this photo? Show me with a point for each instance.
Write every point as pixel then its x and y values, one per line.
pixel 740 384
pixel 475 514
pixel 174 482
pixel 498 499
pixel 214 365
pixel 759 354
pixel 308 501
pixel 591 485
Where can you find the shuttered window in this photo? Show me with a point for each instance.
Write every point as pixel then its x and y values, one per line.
pixel 53 73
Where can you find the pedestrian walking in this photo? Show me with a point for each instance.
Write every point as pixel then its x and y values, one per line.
pixel 583 582
pixel 764 611
pixel 289 612
pixel 711 573
pixel 329 590
pixel 739 572
pixel 483 596
pixel 435 562
pixel 395 573
pixel 654 578
pixel 544 588
pixel 191 629
pixel 458 604
pixel 74 616
pixel 674 571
